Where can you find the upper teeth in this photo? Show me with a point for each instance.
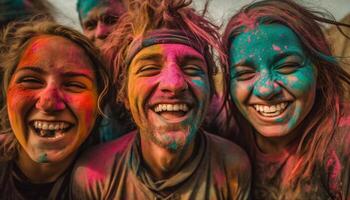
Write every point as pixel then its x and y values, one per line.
pixel 271 109
pixel 50 125
pixel 171 107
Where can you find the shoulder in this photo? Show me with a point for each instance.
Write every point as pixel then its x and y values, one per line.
pixel 231 164
pixel 95 165
pixel 228 152
pixel 106 151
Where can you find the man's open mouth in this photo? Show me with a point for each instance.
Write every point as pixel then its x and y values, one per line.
pixel 47 129
pixel 171 111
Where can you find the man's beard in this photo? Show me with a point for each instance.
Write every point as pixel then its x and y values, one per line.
pixel 159 136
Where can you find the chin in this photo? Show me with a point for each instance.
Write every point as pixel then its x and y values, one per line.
pixel 174 140
pixel 52 156
pixel 273 131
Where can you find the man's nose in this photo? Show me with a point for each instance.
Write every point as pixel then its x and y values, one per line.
pixel 173 79
pixel 102 30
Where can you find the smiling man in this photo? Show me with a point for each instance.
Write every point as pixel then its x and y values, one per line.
pixel 163 64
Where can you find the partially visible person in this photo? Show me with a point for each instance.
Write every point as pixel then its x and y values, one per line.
pixel 162 56
pixel 98 17
pixel 55 84
pixel 287 93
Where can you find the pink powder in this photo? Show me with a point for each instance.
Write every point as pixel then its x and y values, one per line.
pixel 344 121
pixel 276 48
pixel 334 170
pixel 219 178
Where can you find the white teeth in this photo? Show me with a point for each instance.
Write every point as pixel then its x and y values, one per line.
pixel 283 105
pixel 43 125
pixel 171 107
pixel 272 110
pixel 266 109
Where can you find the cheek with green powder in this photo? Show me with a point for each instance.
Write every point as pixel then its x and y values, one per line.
pixel 273 83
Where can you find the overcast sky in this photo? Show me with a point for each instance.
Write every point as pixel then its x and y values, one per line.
pixel 220 10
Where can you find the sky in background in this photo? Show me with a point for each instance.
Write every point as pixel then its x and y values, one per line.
pixel 219 10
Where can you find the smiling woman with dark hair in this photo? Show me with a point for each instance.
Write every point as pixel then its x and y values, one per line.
pixel 54 85
pixel 287 92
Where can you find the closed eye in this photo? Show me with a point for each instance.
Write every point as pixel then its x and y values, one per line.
pixel 149 70
pixel 242 73
pixel 193 70
pixel 288 67
pixel 75 86
pixel 30 82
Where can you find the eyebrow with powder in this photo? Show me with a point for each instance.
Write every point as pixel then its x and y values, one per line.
pixel 150 56
pixel 192 58
pixel 30 68
pixel 243 62
pixel 77 74
pixel 286 54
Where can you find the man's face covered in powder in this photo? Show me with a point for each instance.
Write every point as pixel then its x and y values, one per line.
pixel 168 93
pixel 99 17
pixel 52 99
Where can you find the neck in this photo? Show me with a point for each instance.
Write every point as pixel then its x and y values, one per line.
pixel 41 172
pixel 274 145
pixel 161 162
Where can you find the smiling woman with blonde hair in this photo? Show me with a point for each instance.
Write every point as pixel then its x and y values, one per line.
pixel 54 86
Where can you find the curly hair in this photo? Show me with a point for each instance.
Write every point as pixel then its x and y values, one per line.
pixel 14 41
pixel 144 16
pixel 321 122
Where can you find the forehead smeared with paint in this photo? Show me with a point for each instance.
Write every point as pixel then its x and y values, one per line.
pixel 268 39
pixel 84 7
